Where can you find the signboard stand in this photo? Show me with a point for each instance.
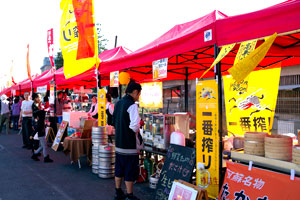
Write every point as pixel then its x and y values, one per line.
pixel 50 133
pixel 178 192
pixel 59 135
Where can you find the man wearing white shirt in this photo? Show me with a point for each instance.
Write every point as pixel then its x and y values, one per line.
pixel 126 121
pixel 26 117
pixel 4 113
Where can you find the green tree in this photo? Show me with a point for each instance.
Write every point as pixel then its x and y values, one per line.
pixel 59 60
pixel 102 42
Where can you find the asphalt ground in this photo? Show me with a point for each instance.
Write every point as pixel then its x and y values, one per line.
pixel 21 178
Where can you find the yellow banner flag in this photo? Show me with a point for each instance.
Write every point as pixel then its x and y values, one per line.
pixel 69 43
pixel 207 144
pixel 101 107
pixel 241 69
pixel 250 104
pixel 245 49
pixel 224 51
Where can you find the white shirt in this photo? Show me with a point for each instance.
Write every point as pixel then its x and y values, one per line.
pixel 110 107
pixel 134 117
pixel 26 106
pixel 95 109
pixel 4 107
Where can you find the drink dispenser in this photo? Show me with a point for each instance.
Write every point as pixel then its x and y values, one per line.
pixel 162 127
pixel 147 133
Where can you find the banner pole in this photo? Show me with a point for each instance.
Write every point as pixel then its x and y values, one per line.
pixel 186 91
pixel 220 101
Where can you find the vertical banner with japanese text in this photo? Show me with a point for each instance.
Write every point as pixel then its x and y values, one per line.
pixel 101 107
pixel 50 45
pixel 250 104
pixel 51 98
pixel 257 184
pixel 207 144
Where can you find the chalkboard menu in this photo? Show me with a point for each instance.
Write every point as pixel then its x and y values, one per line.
pixel 179 164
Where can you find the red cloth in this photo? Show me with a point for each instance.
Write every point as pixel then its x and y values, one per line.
pixel 83 10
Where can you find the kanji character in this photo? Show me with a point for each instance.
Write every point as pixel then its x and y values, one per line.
pixel 207 127
pixel 229 173
pixel 241 196
pixel 225 192
pixel 207 143
pixel 263 198
pixel 75 31
pixel 259 184
pixel 237 177
pixel 247 181
pixel 209 162
pixel 245 123
pixel 260 122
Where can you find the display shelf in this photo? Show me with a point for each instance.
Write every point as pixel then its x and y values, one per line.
pixel 272 164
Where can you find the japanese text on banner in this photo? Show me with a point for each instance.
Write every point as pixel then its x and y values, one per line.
pixel 101 107
pixel 250 104
pixel 207 145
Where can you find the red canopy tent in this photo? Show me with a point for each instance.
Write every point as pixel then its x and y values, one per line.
pixel 189 56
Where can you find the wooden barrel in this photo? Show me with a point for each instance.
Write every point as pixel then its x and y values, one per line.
pixel 278 147
pixel 254 143
pixel 296 154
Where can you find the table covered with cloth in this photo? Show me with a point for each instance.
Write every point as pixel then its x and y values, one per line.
pixel 77 147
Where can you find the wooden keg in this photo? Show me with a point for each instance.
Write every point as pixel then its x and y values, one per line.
pixel 254 143
pixel 278 147
pixel 296 154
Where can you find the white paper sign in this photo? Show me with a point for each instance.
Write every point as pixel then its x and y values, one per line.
pixel 42 90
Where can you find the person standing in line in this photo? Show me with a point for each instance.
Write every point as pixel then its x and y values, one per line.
pixel 59 107
pixel 5 114
pixel 26 118
pixel 39 114
pixel 126 121
pixel 94 108
pixel 16 109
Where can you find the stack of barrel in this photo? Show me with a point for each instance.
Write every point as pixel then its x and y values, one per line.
pixel 255 143
pixel 99 137
pixel 106 161
pixel 278 147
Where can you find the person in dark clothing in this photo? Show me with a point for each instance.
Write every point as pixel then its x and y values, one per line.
pixel 38 115
pixel 126 121
pixel 109 109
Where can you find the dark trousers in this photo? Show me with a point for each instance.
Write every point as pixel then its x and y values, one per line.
pixel 26 130
pixel 15 119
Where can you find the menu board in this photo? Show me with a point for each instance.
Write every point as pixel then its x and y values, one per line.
pixel 179 164
pixel 59 135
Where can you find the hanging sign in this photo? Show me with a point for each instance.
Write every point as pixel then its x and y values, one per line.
pixel 114 79
pixel 151 95
pixel 160 68
pixel 257 184
pixel 101 107
pixel 51 98
pixel 245 49
pixel 250 104
pixel 207 144
pixel 42 90
pixel 241 69
pixel 13 92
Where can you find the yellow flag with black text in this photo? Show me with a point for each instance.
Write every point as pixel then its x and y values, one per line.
pixel 241 69
pixel 245 49
pixel 224 51
pixel 69 40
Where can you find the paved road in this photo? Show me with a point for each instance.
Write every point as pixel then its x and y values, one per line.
pixel 24 179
